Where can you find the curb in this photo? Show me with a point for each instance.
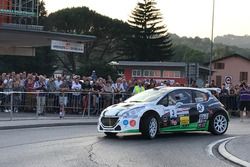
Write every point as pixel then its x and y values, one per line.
pixel 46 125
pixel 223 151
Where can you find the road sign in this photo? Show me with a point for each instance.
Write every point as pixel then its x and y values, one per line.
pixel 228 79
pixel 67 46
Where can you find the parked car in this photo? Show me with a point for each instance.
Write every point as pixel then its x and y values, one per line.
pixel 165 109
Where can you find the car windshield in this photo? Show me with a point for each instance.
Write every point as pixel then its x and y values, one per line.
pixel 147 96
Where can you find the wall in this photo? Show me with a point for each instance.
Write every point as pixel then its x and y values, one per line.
pixel 182 79
pixel 5 4
pixel 233 67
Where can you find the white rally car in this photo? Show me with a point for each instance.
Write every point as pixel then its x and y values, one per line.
pixel 165 109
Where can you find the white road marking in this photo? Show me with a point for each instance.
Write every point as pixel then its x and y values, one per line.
pixel 223 151
pixel 209 148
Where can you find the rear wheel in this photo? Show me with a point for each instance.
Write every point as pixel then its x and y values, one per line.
pixel 110 134
pixel 219 123
pixel 149 126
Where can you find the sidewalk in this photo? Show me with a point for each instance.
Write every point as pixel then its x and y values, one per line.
pixel 240 148
pixel 29 120
pixel 237 148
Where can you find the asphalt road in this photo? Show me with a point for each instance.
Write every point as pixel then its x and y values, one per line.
pixel 78 146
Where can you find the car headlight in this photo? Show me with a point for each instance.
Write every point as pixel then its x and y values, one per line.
pixel 102 112
pixel 133 113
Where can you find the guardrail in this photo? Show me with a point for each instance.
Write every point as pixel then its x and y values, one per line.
pixel 61 103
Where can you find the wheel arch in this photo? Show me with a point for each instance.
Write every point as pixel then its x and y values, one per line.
pixel 219 110
pixel 147 113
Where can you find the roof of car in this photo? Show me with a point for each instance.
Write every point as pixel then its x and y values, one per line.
pixel 214 89
pixel 169 88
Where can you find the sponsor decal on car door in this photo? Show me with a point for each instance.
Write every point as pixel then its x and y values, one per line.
pixel 177 113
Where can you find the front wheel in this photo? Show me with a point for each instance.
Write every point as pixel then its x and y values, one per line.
pixel 219 124
pixel 149 127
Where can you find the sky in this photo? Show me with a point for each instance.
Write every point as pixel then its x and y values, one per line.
pixel 188 18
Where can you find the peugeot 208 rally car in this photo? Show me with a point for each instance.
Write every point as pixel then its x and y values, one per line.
pixel 165 109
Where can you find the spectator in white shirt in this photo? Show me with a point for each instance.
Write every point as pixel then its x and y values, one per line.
pixel 76 98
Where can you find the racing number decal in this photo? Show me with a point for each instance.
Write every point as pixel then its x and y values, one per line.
pixel 200 108
pixel 176 116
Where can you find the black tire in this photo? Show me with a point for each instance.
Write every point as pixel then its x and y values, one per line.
pixel 219 123
pixel 149 126
pixel 110 134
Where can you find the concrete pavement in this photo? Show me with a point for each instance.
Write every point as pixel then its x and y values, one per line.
pixel 235 150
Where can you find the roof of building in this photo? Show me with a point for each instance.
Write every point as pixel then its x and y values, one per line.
pixel 233 55
pixel 22 40
pixel 155 64
pixel 151 63
pixel 10 36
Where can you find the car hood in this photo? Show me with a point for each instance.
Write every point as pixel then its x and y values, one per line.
pixel 118 109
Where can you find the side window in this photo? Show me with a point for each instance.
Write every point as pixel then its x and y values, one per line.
pixel 182 96
pixel 200 97
pixel 164 101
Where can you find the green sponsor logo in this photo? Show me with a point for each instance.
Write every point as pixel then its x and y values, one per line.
pixel 190 127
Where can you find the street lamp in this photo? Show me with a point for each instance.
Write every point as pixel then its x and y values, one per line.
pixel 212 45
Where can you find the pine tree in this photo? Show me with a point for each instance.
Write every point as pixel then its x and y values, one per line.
pixel 150 40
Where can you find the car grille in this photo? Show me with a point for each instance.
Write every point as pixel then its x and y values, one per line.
pixel 108 121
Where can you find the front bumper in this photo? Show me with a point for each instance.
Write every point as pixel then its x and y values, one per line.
pixel 118 124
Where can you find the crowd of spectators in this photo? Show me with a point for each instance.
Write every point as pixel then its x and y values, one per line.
pixel 72 91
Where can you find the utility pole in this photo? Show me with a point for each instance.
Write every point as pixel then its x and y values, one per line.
pixel 212 46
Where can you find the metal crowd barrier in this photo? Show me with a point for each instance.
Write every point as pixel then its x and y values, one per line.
pixel 35 104
pixel 231 102
pixel 85 104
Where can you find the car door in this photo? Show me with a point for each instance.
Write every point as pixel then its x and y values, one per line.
pixel 177 105
pixel 201 113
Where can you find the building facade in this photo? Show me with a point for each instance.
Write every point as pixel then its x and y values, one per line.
pixel 19 11
pixel 174 72
pixel 5 6
pixel 232 69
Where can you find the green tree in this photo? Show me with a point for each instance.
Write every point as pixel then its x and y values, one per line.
pixel 42 13
pixel 81 20
pixel 150 40
pixel 184 53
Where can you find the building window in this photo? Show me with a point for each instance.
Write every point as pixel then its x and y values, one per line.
pixel 243 76
pixel 136 73
pixel 157 73
pixel 151 73
pixel 219 66
pixel 218 81
pixel 171 74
